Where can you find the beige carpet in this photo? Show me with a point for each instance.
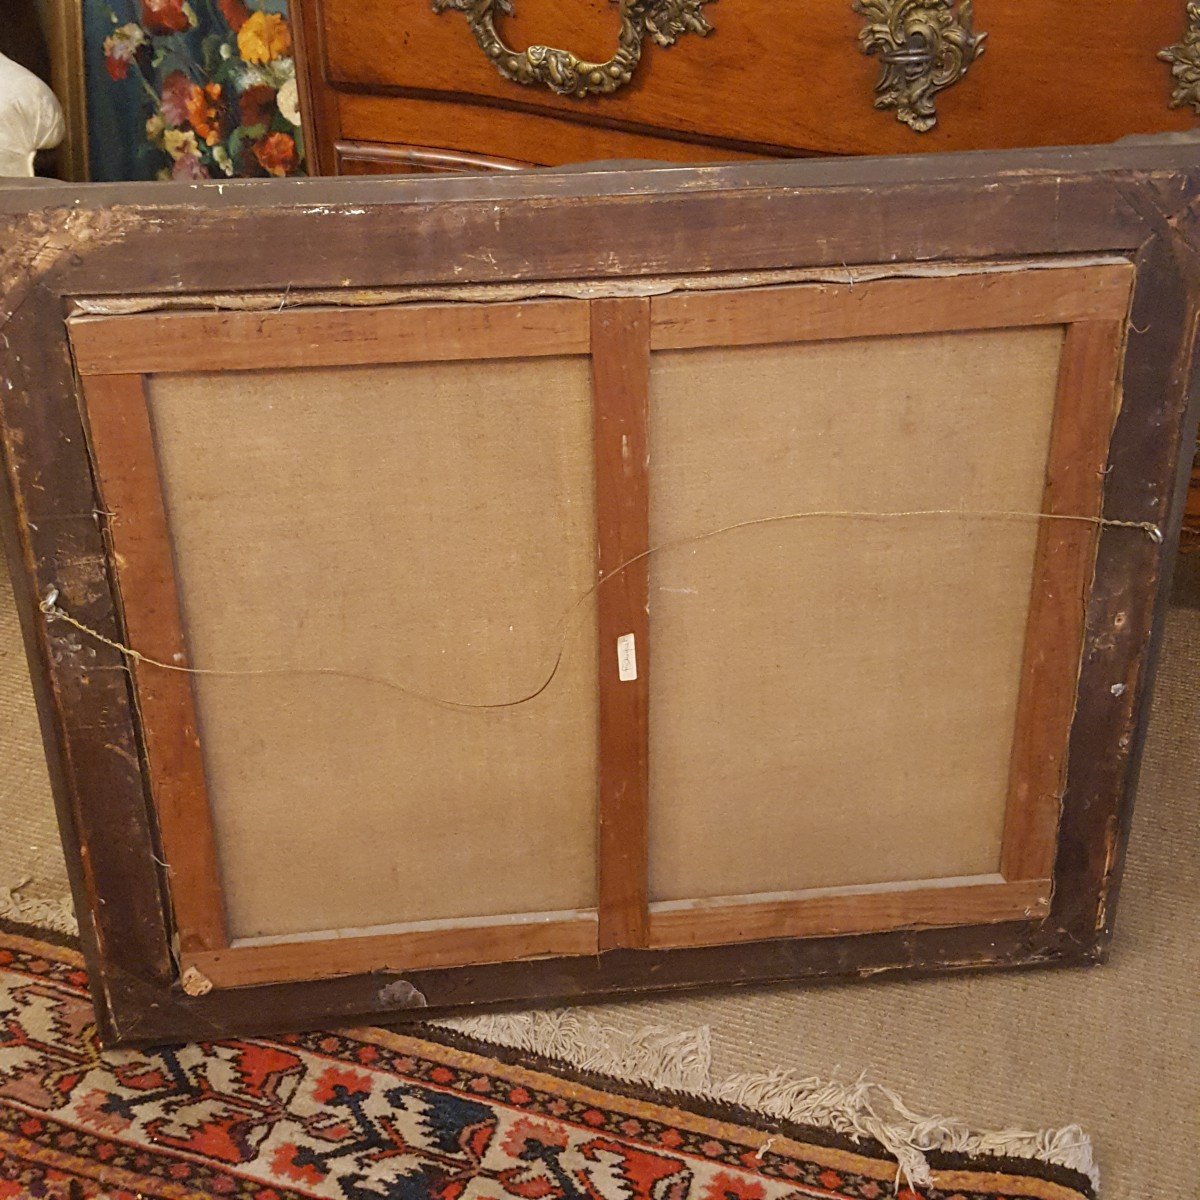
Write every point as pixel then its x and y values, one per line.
pixel 32 876
pixel 1115 1048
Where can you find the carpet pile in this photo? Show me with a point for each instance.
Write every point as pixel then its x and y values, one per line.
pixel 370 1113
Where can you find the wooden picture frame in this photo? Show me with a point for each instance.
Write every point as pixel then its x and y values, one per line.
pixel 63 21
pixel 1097 244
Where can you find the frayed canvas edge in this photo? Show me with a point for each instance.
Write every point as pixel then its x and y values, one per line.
pixel 681 1062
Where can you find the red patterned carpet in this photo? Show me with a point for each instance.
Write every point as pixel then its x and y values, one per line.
pixel 369 1114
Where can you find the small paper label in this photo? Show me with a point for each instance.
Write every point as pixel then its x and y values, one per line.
pixel 626 657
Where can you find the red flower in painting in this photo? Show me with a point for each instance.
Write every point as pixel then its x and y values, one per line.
pixel 167 16
pixel 257 104
pixel 120 47
pixel 235 12
pixel 276 154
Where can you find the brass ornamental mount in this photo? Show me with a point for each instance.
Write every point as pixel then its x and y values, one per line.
pixel 664 21
pixel 1184 58
pixel 924 46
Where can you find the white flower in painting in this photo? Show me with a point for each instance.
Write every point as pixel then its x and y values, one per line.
pixel 222 159
pixel 120 47
pixel 273 74
pixel 288 100
pixel 281 70
pixel 247 76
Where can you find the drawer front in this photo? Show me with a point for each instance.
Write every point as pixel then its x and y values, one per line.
pixel 478 132
pixel 778 78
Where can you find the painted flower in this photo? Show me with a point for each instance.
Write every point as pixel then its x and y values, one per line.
pixel 120 46
pixel 256 103
pixel 181 143
pixel 176 93
pixel 264 36
pixel 167 16
pixel 222 159
pixel 204 112
pixel 242 75
pixel 289 102
pixel 276 154
pixel 235 12
pixel 189 168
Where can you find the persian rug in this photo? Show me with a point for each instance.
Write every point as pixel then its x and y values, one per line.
pixel 423 1115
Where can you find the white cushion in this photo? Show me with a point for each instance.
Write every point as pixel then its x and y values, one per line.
pixel 31 118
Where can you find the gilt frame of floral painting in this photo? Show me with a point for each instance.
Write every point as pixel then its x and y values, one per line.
pixel 192 89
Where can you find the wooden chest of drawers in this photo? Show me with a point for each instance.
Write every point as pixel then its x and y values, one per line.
pixel 400 87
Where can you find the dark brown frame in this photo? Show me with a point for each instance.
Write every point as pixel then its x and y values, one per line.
pixel 68 254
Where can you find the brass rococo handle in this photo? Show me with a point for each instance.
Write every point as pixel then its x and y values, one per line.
pixel 664 21
pixel 1184 58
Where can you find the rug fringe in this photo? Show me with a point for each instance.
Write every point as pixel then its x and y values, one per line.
pixel 56 915
pixel 682 1062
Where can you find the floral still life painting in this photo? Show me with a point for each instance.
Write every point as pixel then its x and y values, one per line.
pixel 213 83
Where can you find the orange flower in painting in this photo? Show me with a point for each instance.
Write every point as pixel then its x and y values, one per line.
pixel 276 154
pixel 204 112
pixel 263 37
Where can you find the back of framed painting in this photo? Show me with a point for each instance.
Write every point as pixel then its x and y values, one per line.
pixel 742 598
